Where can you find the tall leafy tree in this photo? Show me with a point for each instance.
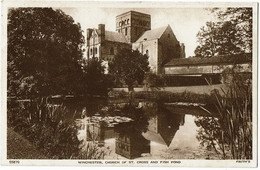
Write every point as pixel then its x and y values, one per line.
pixel 44 47
pixel 208 40
pixel 231 34
pixel 95 82
pixel 241 19
pixel 129 66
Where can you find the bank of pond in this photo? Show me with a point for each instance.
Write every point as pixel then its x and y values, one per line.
pixel 144 125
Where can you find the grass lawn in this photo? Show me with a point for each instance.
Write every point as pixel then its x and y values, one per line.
pixel 20 148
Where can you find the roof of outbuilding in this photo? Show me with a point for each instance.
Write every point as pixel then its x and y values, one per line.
pixel 229 59
pixel 115 37
pixel 152 34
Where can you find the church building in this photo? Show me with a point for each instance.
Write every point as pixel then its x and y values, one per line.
pixel 133 31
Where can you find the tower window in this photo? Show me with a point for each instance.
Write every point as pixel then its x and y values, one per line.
pixel 127 21
pixel 91 51
pixel 147 52
pixel 125 31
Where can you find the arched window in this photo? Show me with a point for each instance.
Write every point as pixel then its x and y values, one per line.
pixel 128 21
pixel 125 31
pixel 111 51
pixel 147 52
pixel 91 51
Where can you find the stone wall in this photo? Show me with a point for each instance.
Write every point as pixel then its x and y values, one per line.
pixel 169 48
pixel 149 48
pixel 110 49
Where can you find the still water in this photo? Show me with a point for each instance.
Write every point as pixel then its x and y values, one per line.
pixel 144 130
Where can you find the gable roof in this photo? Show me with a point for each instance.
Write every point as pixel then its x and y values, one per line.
pixel 159 138
pixel 223 59
pixel 155 137
pixel 115 37
pixel 152 34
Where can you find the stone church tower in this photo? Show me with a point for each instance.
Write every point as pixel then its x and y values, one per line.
pixel 133 31
pixel 133 24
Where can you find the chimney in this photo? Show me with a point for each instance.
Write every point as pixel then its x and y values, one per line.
pixel 101 30
pixel 89 32
pixel 183 55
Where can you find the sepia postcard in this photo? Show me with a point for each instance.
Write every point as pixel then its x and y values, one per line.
pixel 129 83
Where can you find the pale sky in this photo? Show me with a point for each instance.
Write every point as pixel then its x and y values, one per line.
pixel 185 22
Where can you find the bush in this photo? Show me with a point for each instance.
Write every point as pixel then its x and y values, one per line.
pixel 118 94
pixel 152 80
pixel 164 96
pixel 52 134
pixel 48 128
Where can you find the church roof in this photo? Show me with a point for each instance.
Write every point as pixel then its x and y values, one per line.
pixel 223 59
pixel 115 37
pixel 152 34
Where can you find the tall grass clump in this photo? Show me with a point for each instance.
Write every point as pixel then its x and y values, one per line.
pixel 91 150
pixel 49 127
pixel 229 130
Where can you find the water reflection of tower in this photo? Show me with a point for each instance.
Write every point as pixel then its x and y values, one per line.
pixel 163 126
pixel 95 132
pixel 98 132
pixel 130 142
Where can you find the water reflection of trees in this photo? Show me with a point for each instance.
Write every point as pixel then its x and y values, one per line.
pixel 210 134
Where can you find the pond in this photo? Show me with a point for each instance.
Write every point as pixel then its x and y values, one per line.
pixel 141 130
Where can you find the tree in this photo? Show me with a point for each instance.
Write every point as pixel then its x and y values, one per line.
pixel 154 81
pixel 233 108
pixel 129 66
pixel 208 40
pixel 241 19
pixel 95 82
pixel 231 34
pixel 44 47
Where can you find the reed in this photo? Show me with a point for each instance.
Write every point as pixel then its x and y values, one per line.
pixel 92 151
pixel 51 128
pixel 232 120
pixel 234 111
